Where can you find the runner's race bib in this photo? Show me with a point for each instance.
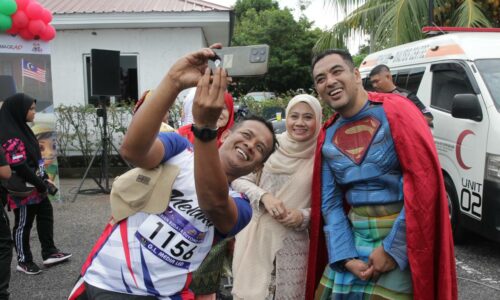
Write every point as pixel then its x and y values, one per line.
pixel 171 238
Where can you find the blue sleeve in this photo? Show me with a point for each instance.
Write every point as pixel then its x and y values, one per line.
pixel 395 242
pixel 244 214
pixel 173 144
pixel 338 231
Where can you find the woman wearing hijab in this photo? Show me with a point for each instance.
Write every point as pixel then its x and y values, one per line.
pixel 225 122
pixel 270 256
pixel 27 188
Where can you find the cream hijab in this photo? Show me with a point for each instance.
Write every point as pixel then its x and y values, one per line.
pixel 257 244
pixel 290 153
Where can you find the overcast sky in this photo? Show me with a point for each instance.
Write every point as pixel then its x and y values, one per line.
pixel 324 17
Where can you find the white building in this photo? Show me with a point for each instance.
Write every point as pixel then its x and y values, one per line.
pixel 150 35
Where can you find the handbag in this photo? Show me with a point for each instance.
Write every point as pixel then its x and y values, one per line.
pixel 16 186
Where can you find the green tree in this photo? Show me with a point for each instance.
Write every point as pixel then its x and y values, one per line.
pixel 258 5
pixel 394 22
pixel 290 42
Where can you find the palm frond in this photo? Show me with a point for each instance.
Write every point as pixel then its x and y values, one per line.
pixel 469 14
pixel 335 38
pixel 361 19
pixel 402 23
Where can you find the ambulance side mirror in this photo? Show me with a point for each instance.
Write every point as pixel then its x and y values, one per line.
pixel 466 106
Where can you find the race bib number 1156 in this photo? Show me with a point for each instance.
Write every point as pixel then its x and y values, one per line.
pixel 171 238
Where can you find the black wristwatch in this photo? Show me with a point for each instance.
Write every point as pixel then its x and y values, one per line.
pixel 204 134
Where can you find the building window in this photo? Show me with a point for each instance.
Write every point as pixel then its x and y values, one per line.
pixel 128 80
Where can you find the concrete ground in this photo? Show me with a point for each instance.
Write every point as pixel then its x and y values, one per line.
pixel 76 227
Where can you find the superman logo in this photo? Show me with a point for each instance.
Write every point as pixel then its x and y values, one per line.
pixel 354 139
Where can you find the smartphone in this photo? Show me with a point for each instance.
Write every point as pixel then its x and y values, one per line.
pixel 242 61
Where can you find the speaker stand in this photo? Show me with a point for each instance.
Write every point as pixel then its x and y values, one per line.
pixel 103 149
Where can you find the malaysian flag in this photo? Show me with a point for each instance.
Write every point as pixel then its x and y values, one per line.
pixel 32 71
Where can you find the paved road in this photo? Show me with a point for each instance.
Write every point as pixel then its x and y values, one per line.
pixel 78 224
pixel 76 227
pixel 478 268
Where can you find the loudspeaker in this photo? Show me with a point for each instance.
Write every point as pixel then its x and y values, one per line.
pixel 7 86
pixel 105 72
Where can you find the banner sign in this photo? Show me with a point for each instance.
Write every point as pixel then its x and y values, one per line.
pixel 25 67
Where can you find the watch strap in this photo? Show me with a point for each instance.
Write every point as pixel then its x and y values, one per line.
pixel 204 134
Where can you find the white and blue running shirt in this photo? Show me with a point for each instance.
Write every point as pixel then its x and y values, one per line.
pixel 155 255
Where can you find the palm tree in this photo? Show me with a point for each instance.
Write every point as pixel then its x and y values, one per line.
pixel 394 22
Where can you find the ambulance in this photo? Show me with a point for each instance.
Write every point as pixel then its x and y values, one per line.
pixel 456 73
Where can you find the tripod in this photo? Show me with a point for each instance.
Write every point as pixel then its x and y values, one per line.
pixel 101 150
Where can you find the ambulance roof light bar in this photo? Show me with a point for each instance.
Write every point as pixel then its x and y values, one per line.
pixel 440 30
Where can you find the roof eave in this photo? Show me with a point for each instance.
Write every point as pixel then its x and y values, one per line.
pixel 216 25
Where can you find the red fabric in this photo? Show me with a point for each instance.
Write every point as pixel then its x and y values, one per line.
pixel 78 291
pixel 429 239
pixel 140 101
pixel 126 249
pixel 186 132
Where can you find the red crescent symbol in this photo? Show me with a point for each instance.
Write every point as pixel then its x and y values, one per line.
pixel 458 148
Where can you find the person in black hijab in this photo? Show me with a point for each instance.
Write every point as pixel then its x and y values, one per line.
pixel 27 187
pixel 5 237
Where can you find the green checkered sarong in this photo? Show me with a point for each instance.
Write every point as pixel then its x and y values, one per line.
pixel 370 224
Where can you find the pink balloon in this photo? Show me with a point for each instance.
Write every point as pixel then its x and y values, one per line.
pixel 48 34
pixel 34 10
pixel 26 34
pixel 46 16
pixel 36 27
pixel 19 19
pixel 21 4
pixel 13 30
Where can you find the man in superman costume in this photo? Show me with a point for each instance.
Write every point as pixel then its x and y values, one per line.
pixel 379 188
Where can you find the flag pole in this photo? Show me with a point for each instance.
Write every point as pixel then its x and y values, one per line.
pixel 22 75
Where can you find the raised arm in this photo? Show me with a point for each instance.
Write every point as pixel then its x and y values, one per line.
pixel 140 145
pixel 211 181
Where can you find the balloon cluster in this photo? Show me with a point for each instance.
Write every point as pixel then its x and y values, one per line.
pixel 27 18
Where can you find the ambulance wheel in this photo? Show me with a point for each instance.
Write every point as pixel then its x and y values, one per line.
pixel 454 211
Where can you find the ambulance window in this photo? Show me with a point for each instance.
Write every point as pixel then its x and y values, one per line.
pixel 490 71
pixel 446 83
pixel 367 84
pixel 414 80
pixel 401 79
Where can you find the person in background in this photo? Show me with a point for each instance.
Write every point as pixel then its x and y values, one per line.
pixel 270 256
pixel 379 187
pixel 187 107
pixel 164 124
pixel 29 186
pixel 381 80
pixel 224 123
pixel 5 236
pixel 151 255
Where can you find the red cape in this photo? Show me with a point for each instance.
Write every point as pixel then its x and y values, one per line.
pixel 428 230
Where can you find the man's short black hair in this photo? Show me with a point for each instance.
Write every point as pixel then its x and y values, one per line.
pixel 266 123
pixel 346 56
pixel 379 69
